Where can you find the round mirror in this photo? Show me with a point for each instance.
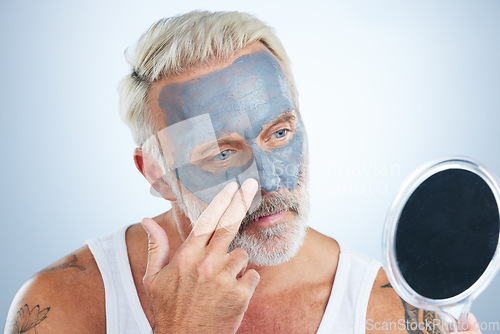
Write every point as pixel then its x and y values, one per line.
pixel 441 240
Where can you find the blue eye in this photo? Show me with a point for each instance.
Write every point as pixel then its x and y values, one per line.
pixel 223 155
pixel 280 133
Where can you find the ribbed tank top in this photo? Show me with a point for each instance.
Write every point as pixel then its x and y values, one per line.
pixel 345 312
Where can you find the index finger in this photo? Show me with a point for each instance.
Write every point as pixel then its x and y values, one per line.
pixel 208 220
pixel 230 222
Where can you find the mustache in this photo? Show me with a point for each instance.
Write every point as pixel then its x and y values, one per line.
pixel 270 204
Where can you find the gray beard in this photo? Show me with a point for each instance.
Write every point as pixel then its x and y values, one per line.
pixel 272 246
pixel 265 247
pixel 276 244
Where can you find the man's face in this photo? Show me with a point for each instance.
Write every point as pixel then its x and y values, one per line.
pixel 230 124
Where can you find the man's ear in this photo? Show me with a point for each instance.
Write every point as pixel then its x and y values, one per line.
pixel 153 174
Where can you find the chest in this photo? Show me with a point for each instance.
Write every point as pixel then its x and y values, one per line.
pixel 298 311
pixel 289 312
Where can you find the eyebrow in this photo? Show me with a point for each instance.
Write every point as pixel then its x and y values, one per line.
pixel 284 117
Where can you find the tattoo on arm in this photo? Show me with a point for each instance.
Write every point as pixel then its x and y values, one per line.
pixel 28 320
pixel 70 264
pixel 415 317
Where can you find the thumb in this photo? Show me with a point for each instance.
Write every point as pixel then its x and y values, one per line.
pixel 158 248
pixel 472 322
pixel 470 325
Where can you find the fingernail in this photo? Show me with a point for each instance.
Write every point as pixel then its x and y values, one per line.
pixel 144 226
pixel 231 187
pixel 250 185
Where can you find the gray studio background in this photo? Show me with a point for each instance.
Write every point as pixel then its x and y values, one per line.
pixel 384 87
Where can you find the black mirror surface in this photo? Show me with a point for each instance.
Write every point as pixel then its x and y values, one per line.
pixel 447 233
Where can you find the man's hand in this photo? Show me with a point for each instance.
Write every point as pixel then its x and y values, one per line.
pixel 472 326
pixel 203 288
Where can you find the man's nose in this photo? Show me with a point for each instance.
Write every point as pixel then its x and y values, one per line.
pixel 269 179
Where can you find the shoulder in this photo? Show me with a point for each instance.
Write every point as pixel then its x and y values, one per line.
pixel 384 302
pixel 389 313
pixel 67 296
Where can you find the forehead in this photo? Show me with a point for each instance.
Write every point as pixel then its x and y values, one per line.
pixel 250 91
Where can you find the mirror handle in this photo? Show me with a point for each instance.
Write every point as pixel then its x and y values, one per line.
pixel 460 312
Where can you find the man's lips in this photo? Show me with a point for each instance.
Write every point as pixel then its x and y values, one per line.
pixel 270 220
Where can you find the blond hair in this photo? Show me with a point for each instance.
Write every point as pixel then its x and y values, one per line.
pixel 173 45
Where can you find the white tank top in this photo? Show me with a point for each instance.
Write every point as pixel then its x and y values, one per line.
pixel 345 312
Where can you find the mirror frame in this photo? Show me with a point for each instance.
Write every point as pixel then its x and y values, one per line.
pixel 397 280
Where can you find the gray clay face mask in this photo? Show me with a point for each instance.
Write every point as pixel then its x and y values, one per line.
pixel 231 124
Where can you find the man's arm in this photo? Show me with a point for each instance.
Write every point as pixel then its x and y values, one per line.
pixel 389 313
pixel 66 297
pixel 419 321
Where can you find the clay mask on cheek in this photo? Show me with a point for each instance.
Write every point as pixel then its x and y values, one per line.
pixel 197 161
pixel 234 104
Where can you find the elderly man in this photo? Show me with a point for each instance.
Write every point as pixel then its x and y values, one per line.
pixel 212 106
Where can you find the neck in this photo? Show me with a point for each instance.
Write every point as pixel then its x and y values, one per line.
pixel 301 269
pixel 315 261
